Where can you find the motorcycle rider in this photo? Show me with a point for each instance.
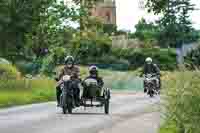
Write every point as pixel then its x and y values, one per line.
pixel 73 71
pixel 151 68
pixel 93 74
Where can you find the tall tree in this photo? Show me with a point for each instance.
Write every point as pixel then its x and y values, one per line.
pixel 52 29
pixel 17 18
pixel 175 22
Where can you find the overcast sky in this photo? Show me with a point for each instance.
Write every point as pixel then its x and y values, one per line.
pixel 129 13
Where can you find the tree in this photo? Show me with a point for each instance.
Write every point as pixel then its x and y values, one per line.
pixel 16 16
pixel 193 59
pixel 157 6
pixel 145 30
pixel 175 24
pixel 147 33
pixel 110 28
pixel 52 30
pixel 17 19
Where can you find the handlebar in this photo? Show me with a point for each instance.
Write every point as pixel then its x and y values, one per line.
pixel 56 79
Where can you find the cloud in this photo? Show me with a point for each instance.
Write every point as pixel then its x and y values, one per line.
pixel 128 14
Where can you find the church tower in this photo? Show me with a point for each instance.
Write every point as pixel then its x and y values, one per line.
pixel 106 11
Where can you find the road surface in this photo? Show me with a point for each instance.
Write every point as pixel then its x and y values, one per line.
pixel 130 113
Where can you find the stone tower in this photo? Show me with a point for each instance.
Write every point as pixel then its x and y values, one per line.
pixel 106 11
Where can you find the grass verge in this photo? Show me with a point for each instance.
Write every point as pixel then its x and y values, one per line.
pixel 181 102
pixel 20 92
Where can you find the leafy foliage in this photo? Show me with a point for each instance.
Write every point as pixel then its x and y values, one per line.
pixel 8 71
pixel 175 24
pixel 181 101
pixel 147 32
pixel 193 59
pixel 51 31
pixel 166 59
pixel 17 18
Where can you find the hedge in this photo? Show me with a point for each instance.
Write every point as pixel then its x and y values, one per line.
pixel 165 58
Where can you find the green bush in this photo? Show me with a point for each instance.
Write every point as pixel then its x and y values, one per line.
pixel 4 61
pixel 123 59
pixel 27 67
pixel 8 71
pixel 92 49
pixel 44 64
pixel 193 59
pixel 165 58
pixel 26 91
pixel 109 62
pixel 181 101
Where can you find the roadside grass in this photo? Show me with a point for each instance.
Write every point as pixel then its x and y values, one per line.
pixel 8 99
pixel 169 128
pixel 26 92
pixel 181 98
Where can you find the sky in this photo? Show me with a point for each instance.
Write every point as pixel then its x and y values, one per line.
pixel 129 13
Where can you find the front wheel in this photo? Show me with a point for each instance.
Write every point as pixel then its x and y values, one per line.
pixel 64 109
pixel 151 94
pixel 107 96
pixel 67 108
pixel 63 100
pixel 67 103
pixel 106 106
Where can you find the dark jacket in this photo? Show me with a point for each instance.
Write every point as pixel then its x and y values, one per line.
pixel 151 68
pixel 99 81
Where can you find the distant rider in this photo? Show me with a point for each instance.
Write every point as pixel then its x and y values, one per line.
pixel 73 71
pixel 150 68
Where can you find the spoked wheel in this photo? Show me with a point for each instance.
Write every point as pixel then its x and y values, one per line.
pixel 69 107
pixel 63 98
pixel 107 101
pixel 151 94
pixel 106 106
pixel 64 109
pixel 151 90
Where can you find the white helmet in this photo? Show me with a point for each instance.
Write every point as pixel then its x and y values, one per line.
pixel 148 60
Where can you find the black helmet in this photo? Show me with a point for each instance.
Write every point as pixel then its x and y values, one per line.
pixel 69 59
pixel 93 70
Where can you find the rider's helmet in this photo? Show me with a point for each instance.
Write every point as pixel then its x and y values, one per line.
pixel 93 70
pixel 149 60
pixel 69 61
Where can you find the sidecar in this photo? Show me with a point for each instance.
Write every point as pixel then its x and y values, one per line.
pixel 95 96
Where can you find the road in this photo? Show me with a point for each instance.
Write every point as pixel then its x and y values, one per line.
pixel 130 113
